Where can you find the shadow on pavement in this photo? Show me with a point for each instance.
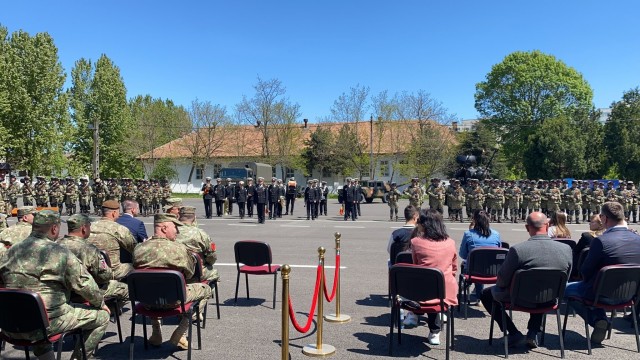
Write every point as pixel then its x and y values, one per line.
pixel 374 300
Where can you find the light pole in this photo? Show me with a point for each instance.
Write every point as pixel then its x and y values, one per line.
pixel 96 147
pixel 371 176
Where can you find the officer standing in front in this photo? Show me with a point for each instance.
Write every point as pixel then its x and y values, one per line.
pixel 260 194
pixel 207 196
pixel 219 194
pixel 291 194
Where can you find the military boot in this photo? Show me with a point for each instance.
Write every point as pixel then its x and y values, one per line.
pixel 156 333
pixel 177 338
pixel 396 217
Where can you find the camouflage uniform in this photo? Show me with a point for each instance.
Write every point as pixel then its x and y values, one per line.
pixel 477 198
pixel 20 231
pixel 535 199
pixel 96 265
pixel 415 193
pixel 456 201
pixel 197 241
pixel 156 197
pixel 626 199
pixel 166 193
pixel 495 202
pixel 3 198
pixel 110 237
pixel 41 192
pixel 115 191
pixel 634 205
pixel 27 192
pixel 56 194
pixel 586 201
pixel 41 265
pixel 436 196
pixel 554 199
pixel 573 198
pixel 598 195
pixel 13 191
pixel 71 196
pixel 393 196
pixel 100 194
pixel 514 198
pixel 85 193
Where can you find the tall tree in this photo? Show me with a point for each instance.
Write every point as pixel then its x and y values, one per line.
pixel 348 156
pixel 352 107
pixel 430 152
pixel 621 133
pixel 33 105
pixel 481 143
pixel 318 151
pixel 287 135
pixel 523 91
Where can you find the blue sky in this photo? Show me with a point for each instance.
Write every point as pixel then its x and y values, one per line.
pixel 214 50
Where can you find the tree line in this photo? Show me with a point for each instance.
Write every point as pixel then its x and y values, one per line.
pixel 537 111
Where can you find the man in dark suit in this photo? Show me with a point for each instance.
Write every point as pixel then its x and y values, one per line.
pixel 128 220
pixel 349 197
pixel 538 252
pixel 260 195
pixel 617 245
pixel 219 194
pixel 207 197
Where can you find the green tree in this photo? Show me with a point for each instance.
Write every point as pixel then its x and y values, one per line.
pixel 621 134
pixel 318 151
pixel 348 157
pixel 430 152
pixel 33 105
pixel 481 143
pixel 523 91
pixel 556 150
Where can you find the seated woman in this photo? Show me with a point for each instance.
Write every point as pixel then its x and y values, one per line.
pixel 558 228
pixel 595 229
pixel 479 235
pixel 432 247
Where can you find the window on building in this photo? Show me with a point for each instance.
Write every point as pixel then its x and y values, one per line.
pixel 288 173
pixel 384 168
pixel 365 173
pixel 199 172
pixel 216 170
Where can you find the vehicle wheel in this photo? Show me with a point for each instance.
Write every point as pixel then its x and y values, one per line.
pixel 369 200
pixel 385 198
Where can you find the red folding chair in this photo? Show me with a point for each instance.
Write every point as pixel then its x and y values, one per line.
pixel 255 257
pixel 482 267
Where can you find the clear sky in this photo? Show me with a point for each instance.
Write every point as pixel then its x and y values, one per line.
pixel 214 50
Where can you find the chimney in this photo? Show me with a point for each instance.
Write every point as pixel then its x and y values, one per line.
pixel 454 126
pixel 305 122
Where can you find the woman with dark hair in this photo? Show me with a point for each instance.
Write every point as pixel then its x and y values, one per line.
pixel 480 234
pixel 432 247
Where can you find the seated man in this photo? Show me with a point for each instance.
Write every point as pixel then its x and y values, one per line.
pixel 21 230
pixel 162 251
pixel 537 252
pixel 173 206
pixel 400 239
pixel 197 241
pixel 79 229
pixel 617 245
pixel 128 220
pixel 113 238
pixel 39 264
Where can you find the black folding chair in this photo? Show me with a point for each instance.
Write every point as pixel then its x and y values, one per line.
pixel 112 300
pixel 255 257
pixel 617 285
pixel 23 311
pixel 570 243
pixel 404 257
pixel 505 245
pixel 151 291
pixel 534 291
pixel 415 284
pixel 212 283
pixel 482 267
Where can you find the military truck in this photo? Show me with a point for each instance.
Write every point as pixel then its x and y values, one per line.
pixel 237 171
pixel 374 189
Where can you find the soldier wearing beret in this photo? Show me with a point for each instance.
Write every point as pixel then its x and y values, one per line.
pixel 20 231
pixel 113 238
pixel 41 265
pixel 163 252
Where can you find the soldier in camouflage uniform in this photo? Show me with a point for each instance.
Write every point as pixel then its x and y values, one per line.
pixel 599 197
pixel 100 194
pixel 634 205
pixel 415 193
pixel 524 204
pixel 71 196
pixel 476 200
pixel 115 191
pixel 393 196
pixel 564 204
pixel 156 196
pixel 129 190
pixel 111 237
pixel 626 198
pixel 610 193
pixel 513 194
pixel 85 192
pixel 166 192
pixel 456 201
pixel 3 227
pixel 495 202
pixel 13 191
pixel 3 198
pixel 535 197
pixel 586 201
pixel 41 192
pixel 56 194
pixel 145 194
pixel 437 195
pixel 554 198
pixel 21 230
pixel 79 229
pixel 39 264
pixel 27 192
pixel 162 251
pixel 573 198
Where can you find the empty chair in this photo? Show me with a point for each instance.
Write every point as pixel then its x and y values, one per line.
pixel 23 311
pixel 255 257
pixel 481 268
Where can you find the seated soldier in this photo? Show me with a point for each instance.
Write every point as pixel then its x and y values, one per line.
pixel 173 206
pixel 111 237
pixel 39 264
pixel 162 251
pixel 197 241
pixel 79 229
pixel 21 230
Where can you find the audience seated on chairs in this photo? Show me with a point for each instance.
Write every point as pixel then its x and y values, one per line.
pixel 595 229
pixel 43 266
pixel 480 234
pixel 538 252
pixel 558 226
pixel 79 228
pixel 163 252
pixel 400 239
pixel 432 247
pixel 616 246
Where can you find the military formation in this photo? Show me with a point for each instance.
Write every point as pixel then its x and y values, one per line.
pixel 78 196
pixel 513 200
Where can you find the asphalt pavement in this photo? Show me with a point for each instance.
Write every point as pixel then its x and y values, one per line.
pixel 251 329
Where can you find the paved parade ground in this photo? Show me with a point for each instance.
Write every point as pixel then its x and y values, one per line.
pixel 251 329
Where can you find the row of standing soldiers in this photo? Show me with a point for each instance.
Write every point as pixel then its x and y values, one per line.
pixel 514 200
pixel 66 193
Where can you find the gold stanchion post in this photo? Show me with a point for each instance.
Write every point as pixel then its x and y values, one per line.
pixel 319 349
pixel 284 272
pixel 337 317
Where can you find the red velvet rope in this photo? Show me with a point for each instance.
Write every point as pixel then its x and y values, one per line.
pixel 336 278
pixel 292 313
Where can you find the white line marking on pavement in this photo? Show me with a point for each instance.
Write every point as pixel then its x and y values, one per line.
pixel 242 224
pixel 296 226
pixel 293 266
pixel 349 227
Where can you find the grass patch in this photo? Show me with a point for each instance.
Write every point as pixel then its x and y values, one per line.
pixel 186 195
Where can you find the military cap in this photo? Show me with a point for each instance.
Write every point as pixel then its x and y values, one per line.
pixel 274 178
pixel 394 183
pixel 218 179
pixel 54 178
pixel 260 178
pixel 27 177
pixel 241 182
pixel 46 217
pixel 228 179
pixel 292 178
pixel 163 218
pixel 348 179
pixel 39 177
pixel 249 179
pixel 76 221
pixel 26 210
pixel 208 178
pixel 310 181
pixel 187 210
pixel 324 181
pixel 173 202
pixel 316 180
pixel 84 179
pixel 111 204
pixel 12 176
pixel 629 182
pixel 610 182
